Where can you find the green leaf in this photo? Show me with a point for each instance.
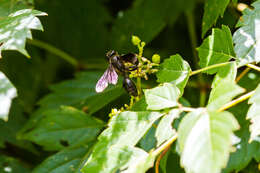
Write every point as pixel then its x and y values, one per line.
pixel 15 29
pixel 174 70
pixel 162 97
pixel 80 92
pixel 246 38
pixel 205 140
pixel 223 93
pixel 7 93
pixel 164 130
pixel 227 73
pixel 254 115
pixel 60 128
pixel 65 161
pixel 212 10
pixel 9 6
pixel 124 131
pixel 217 48
pixel 10 164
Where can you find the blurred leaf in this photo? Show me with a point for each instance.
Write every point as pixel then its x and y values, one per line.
pixel 9 164
pixel 148 141
pixel 9 6
pixel 254 115
pixel 162 97
pixel 227 73
pixel 246 38
pixel 164 130
pixel 174 70
pixel 145 19
pixel 205 140
pixel 124 131
pixel 60 128
pixel 65 161
pixel 7 93
pixel 217 48
pixel 16 28
pixel 212 10
pixel 80 92
pixel 223 93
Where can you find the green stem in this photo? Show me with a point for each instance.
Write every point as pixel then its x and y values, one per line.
pixel 208 68
pixel 55 51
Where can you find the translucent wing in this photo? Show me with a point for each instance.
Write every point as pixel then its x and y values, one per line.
pixel 109 76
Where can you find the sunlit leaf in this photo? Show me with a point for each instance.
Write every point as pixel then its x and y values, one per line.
pixel 9 6
pixel 164 129
pixel 7 93
pixel 223 93
pixel 217 48
pixel 212 10
pixel 174 70
pixel 63 127
pixel 65 161
pixel 162 97
pixel 124 131
pixel 247 37
pixel 254 115
pixel 205 140
pixel 227 73
pixel 16 28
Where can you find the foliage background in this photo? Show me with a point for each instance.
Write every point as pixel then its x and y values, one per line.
pixel 86 30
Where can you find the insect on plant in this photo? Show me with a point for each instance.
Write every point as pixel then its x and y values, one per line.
pixel 119 65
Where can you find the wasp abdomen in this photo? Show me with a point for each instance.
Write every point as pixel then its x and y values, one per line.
pixel 130 87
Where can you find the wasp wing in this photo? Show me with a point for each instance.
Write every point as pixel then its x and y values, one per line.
pixel 109 76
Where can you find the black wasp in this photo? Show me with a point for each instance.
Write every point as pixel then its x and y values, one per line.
pixel 119 64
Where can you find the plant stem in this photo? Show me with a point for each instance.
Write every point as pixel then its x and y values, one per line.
pixel 208 68
pixel 157 163
pixel 244 72
pixel 165 145
pixel 55 51
pixel 253 67
pixel 236 101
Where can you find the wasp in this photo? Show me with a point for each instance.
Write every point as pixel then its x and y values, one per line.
pixel 119 65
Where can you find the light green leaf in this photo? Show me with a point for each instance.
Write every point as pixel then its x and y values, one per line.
pixel 212 10
pixel 124 131
pixel 164 130
pixel 60 128
pixel 65 161
pixel 247 37
pixel 15 29
pixel 7 93
pixel 10 164
pixel 254 115
pixel 227 73
pixel 217 48
pixel 162 97
pixel 205 140
pixel 174 70
pixel 223 93
pixel 80 92
pixel 9 6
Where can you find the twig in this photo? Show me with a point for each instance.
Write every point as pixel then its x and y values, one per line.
pixel 244 72
pixel 253 67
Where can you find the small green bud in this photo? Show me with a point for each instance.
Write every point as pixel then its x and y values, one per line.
pixel 135 40
pixel 156 58
pixel 142 44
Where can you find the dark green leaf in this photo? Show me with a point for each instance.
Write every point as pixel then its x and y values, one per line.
pixel 60 128
pixel 205 140
pixel 9 6
pixel 246 38
pixel 162 97
pixel 123 132
pixel 65 161
pixel 217 48
pixel 212 10
pixel 15 29
pixel 9 164
pixel 174 70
